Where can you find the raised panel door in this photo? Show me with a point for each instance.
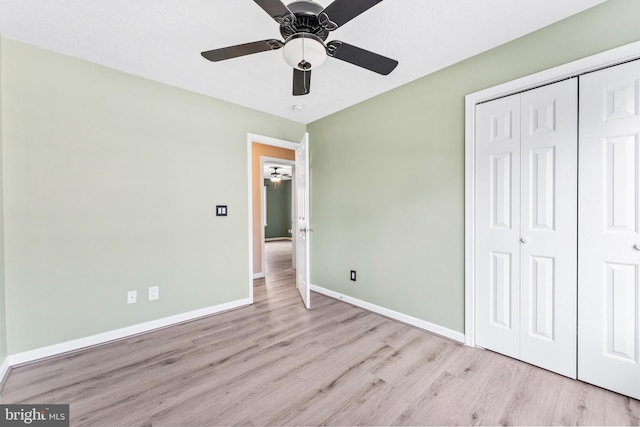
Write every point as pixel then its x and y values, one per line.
pixel 497 225
pixel 549 227
pixel 609 239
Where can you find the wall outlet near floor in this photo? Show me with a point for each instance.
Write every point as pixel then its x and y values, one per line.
pixel 154 293
pixel 132 297
pixel 353 275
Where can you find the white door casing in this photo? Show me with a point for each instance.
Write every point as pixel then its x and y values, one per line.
pixel 609 234
pixel 526 191
pixel 302 230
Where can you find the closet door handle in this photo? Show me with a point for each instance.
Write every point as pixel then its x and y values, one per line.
pixel 523 239
pixel 636 246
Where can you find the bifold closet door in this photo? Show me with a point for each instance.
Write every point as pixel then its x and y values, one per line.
pixel 498 225
pixel 609 233
pixel 526 237
pixel 549 258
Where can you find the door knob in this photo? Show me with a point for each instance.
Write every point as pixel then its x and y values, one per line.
pixel 523 239
pixel 636 246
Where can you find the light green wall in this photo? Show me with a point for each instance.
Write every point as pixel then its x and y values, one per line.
pixel 111 183
pixel 278 209
pixel 388 174
pixel 3 328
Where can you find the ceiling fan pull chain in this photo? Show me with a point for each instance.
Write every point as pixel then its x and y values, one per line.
pixel 306 89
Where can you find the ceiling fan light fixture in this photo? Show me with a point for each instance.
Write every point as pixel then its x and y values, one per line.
pixel 275 175
pixel 304 51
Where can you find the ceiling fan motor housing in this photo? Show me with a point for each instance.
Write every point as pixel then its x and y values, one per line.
pixel 307 20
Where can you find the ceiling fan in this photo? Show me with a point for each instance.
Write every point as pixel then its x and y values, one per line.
pixel 277 176
pixel 305 25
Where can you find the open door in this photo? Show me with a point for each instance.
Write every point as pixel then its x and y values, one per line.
pixel 302 220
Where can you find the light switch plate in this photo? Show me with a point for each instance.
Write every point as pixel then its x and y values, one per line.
pixel 221 210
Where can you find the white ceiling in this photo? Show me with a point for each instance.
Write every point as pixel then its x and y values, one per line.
pixel 162 40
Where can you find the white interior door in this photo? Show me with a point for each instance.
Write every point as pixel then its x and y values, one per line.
pixel 548 239
pixel 498 225
pixel 526 191
pixel 293 221
pixel 609 234
pixel 302 220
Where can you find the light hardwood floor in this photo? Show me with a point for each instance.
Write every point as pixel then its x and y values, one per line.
pixel 275 363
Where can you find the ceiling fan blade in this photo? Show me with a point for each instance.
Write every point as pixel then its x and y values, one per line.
pixel 242 50
pixel 340 12
pixel 277 10
pixel 301 82
pixel 360 57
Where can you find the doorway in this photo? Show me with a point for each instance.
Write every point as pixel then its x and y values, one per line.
pixel 262 146
pixel 278 207
pixel 260 151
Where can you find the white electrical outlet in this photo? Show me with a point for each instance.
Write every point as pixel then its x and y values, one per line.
pixel 154 293
pixel 132 297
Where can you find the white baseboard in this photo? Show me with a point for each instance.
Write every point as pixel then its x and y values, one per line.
pixel 414 321
pixel 93 340
pixel 102 338
pixel 5 367
pixel 259 276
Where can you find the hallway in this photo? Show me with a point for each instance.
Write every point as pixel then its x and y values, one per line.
pixel 278 256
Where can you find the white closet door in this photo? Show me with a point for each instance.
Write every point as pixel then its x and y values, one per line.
pixel 526 199
pixel 549 209
pixel 498 225
pixel 609 235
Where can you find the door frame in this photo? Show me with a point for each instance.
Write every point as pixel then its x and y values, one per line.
pixel 572 69
pixel 265 140
pixel 263 208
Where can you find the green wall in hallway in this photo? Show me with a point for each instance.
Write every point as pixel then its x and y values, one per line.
pixel 278 209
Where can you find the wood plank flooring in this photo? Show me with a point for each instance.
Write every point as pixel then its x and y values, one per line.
pixel 275 363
